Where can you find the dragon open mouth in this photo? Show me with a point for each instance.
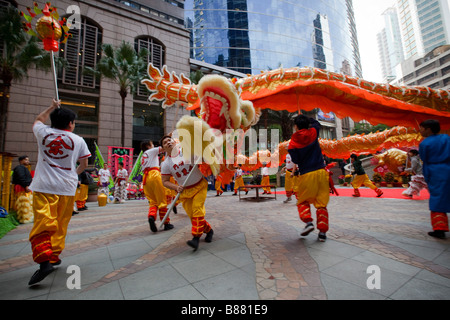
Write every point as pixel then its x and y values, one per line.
pixel 219 103
pixel 216 107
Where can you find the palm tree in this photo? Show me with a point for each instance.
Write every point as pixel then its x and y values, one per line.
pixel 18 52
pixel 125 67
pixel 286 121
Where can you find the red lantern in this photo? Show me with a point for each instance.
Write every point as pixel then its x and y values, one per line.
pixel 50 32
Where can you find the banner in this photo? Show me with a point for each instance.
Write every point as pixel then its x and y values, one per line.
pixel 136 173
pixel 99 162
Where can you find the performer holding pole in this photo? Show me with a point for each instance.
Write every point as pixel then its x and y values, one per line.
pixel 192 189
pixel 54 185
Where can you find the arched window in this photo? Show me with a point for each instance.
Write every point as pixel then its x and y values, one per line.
pixel 82 49
pixel 157 55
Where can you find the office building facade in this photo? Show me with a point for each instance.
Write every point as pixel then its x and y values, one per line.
pixel 432 70
pixel 250 36
pixel 424 25
pixel 390 46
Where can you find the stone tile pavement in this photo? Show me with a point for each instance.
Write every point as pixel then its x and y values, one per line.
pixel 256 254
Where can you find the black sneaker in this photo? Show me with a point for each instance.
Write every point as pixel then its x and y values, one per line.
pixel 45 269
pixel 57 263
pixel 307 230
pixel 193 243
pixel 322 237
pixel 152 223
pixel 168 226
pixel 209 236
pixel 437 234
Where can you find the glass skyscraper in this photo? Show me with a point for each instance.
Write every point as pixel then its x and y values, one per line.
pixel 251 36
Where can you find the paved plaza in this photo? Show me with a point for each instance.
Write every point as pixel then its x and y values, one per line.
pixel 377 248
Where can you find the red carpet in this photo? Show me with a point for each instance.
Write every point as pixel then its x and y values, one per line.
pixel 390 193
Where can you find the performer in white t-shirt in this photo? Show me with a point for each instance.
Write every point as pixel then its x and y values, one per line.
pixel 265 179
pixel 239 181
pixel 104 175
pixel 120 184
pixel 289 169
pixel 193 191
pixel 153 188
pixel 54 185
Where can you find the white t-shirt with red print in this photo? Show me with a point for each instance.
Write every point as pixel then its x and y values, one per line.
pixel 58 153
pixel 104 175
pixel 179 168
pixel 150 158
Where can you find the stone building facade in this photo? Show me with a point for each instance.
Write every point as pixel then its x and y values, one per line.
pixel 156 25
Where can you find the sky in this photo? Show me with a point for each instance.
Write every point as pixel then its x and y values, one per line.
pixel 368 23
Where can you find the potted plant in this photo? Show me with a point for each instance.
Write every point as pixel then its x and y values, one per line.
pixel 377 178
pixel 389 178
pixel 341 179
pixel 405 179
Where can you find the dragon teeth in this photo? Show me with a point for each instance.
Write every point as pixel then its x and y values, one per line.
pixel 223 112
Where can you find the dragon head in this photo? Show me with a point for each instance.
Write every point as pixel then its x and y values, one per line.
pixel 221 106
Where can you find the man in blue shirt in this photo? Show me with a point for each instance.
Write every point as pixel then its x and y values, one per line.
pixel 435 154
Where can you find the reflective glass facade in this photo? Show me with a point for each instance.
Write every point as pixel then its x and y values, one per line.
pixel 250 36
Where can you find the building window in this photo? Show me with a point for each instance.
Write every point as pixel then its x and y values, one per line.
pixel 148 118
pixel 156 56
pixel 327 133
pixel 148 123
pixel 82 49
pixel 77 91
pixel 86 124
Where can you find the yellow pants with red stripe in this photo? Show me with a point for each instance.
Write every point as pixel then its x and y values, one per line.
pixel 193 200
pixel 289 183
pixel 218 186
pixel 156 194
pixel 52 214
pixel 81 195
pixel 266 182
pixel 362 179
pixel 314 188
pixel 239 182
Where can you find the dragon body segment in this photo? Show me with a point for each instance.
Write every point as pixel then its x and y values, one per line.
pixel 295 89
pixel 225 104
